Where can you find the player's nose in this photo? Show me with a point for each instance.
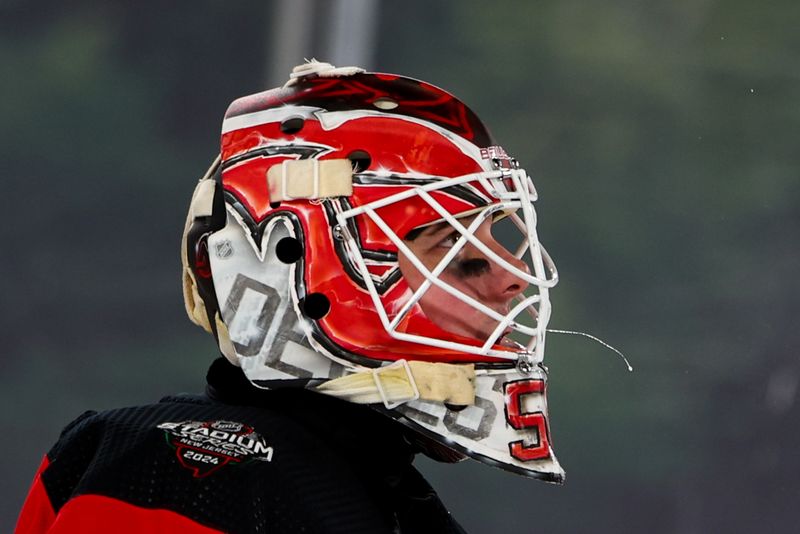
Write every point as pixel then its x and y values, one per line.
pixel 499 282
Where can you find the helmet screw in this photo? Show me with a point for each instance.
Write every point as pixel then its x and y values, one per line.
pixel 338 233
pixel 525 364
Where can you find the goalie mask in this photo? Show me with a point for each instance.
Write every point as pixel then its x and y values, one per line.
pixel 362 235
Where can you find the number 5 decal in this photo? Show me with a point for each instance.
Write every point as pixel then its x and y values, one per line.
pixel 519 420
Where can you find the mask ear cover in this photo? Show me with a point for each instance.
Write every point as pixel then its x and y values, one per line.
pixel 206 216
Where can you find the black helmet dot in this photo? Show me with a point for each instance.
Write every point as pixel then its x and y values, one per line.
pixel 289 250
pixel 292 125
pixel 315 306
pixel 360 160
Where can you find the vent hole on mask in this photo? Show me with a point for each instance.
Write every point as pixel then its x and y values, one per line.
pixel 293 125
pixel 360 160
pixel 385 103
pixel 315 306
pixel 289 250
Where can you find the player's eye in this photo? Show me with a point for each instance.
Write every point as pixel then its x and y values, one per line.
pixel 450 240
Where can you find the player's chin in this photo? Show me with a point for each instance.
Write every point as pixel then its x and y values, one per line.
pixel 503 340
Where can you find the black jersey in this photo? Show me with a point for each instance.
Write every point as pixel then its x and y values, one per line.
pixel 237 459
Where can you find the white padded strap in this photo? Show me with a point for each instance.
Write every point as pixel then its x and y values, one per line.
pixel 310 179
pixel 312 67
pixel 404 381
pixel 203 199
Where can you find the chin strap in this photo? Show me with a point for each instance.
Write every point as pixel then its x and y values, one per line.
pixel 202 205
pixel 405 381
pixel 224 341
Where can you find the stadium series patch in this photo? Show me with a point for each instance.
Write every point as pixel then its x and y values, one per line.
pixel 205 446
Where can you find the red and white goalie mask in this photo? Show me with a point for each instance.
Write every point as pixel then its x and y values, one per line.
pixel 362 235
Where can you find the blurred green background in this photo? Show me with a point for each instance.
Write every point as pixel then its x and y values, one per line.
pixel 663 139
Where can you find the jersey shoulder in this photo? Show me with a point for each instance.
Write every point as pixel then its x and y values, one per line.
pixel 230 467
